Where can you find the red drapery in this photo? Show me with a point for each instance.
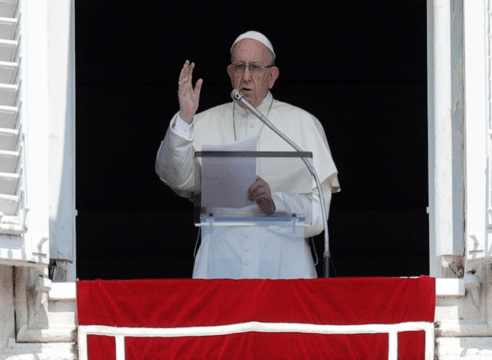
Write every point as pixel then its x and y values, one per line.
pixel 210 303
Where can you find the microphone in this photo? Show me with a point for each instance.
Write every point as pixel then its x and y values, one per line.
pixel 236 95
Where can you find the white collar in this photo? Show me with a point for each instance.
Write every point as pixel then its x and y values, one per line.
pixel 263 107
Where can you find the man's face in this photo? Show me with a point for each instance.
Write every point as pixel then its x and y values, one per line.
pixel 253 87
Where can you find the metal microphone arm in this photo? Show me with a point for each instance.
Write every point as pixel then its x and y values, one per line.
pixel 238 97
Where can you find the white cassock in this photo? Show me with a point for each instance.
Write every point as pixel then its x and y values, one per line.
pixel 251 252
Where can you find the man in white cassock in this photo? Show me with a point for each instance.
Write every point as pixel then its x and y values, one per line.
pixel 249 252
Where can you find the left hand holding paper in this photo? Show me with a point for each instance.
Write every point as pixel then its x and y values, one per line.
pixel 260 193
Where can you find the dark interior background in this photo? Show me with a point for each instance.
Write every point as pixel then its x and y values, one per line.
pixel 359 66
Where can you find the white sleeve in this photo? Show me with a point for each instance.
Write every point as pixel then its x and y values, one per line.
pixel 295 203
pixel 175 163
pixel 183 129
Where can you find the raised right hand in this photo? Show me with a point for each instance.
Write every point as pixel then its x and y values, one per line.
pixel 188 97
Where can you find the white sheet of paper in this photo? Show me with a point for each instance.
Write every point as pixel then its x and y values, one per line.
pixel 226 180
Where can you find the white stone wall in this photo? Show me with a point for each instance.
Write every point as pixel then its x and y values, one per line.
pixel 463 320
pixel 49 331
pixel 7 320
pixel 61 85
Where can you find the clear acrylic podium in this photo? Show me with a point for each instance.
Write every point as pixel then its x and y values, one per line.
pixel 226 216
pixel 223 172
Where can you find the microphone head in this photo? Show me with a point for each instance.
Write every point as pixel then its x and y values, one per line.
pixel 236 95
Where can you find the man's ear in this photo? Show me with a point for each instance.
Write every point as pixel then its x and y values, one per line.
pixel 274 73
pixel 229 71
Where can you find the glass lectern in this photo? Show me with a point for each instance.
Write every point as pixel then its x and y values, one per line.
pixel 226 216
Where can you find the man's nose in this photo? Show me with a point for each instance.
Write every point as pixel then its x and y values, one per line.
pixel 247 74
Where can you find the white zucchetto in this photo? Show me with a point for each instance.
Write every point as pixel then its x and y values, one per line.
pixel 255 35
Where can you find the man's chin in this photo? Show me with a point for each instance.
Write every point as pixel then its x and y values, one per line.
pixel 249 96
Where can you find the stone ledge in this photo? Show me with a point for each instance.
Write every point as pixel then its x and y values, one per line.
pixel 463 358
pixel 450 288
pixel 25 335
pixel 65 291
pixel 60 351
pixel 462 331
pixel 464 347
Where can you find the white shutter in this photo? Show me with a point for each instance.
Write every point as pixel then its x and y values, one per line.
pixel 11 141
pixel 24 122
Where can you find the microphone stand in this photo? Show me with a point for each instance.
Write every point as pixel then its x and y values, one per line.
pixel 238 97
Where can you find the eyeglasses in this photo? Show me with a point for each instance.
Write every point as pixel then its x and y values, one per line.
pixel 254 68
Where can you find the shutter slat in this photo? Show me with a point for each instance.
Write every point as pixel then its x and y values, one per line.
pixel 8 72
pixel 8 139
pixel 8 117
pixel 9 183
pixel 9 204
pixel 8 8
pixel 8 161
pixel 8 49
pixel 8 28
pixel 8 94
